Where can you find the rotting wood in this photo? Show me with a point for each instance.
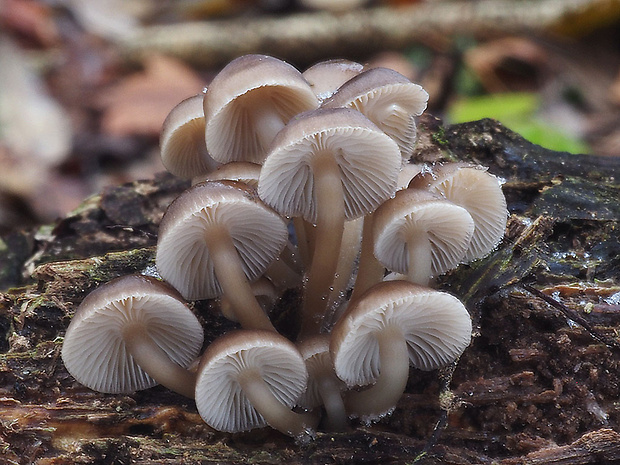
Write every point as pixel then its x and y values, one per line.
pixel 532 378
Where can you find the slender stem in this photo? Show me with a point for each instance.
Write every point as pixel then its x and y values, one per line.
pixel 329 389
pixel 349 251
pixel 303 231
pixel 420 258
pixel 267 122
pixel 370 271
pixel 276 414
pixel 156 363
pixel 390 385
pixel 329 197
pixel 235 285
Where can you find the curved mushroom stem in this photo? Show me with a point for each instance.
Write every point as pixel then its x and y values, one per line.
pixel 267 120
pixel 419 258
pixel 333 402
pixel 234 283
pixel 328 238
pixel 156 362
pixel 370 270
pixel 276 414
pixel 382 397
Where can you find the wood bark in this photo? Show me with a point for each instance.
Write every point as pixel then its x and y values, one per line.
pixel 539 384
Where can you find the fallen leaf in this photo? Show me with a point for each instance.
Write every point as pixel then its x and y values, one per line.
pixel 139 104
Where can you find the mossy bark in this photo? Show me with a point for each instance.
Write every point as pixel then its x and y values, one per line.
pixel 537 384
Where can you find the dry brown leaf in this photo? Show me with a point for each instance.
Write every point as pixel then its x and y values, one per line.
pixel 139 104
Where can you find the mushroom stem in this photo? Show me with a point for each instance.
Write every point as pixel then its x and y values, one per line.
pixel 333 402
pixel 234 283
pixel 157 363
pixel 268 122
pixel 328 238
pixel 382 397
pixel 276 414
pixel 420 258
pixel 370 270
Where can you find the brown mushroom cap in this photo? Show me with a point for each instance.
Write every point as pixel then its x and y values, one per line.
pixel 367 160
pixel 388 99
pixel 240 171
pixel 435 324
pixel 393 324
pixel 182 142
pixel 242 357
pixel 419 221
pixel 183 256
pixel 327 76
pixel 95 349
pixel 248 102
pixel 479 192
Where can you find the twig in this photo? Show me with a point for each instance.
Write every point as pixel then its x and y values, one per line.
pixel 307 37
pixel 572 315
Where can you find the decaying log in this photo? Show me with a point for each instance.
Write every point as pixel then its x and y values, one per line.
pixel 535 386
pixel 359 33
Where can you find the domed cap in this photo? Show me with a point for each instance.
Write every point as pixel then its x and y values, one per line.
pixel 388 99
pixel 220 398
pixel 435 325
pixel 327 76
pixel 183 257
pixel 248 102
pixel 182 141
pixel 94 350
pixel 368 162
pixel 417 218
pixel 480 193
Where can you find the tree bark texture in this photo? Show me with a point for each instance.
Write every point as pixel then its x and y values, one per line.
pixel 539 384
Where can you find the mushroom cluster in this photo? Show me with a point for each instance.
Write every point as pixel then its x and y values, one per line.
pixel 299 180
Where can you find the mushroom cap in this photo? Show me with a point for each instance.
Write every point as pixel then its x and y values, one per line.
pixel 220 400
pixel 368 160
pixel 388 99
pixel 239 93
pixel 325 77
pixel 241 171
pixel 182 142
pixel 435 324
pixel 449 228
pixel 183 259
pixel 480 193
pixel 94 351
pixel 315 352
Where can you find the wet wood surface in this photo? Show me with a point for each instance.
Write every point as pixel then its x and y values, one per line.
pixel 539 384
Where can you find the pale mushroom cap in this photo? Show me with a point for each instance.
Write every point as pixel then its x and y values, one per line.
pixel 93 350
pixel 436 326
pixel 241 171
pixel 369 162
pixel 449 228
pixel 240 93
pixel 183 259
pixel 219 397
pixel 182 142
pixel 480 193
pixel 388 99
pixel 327 76
pixel 315 352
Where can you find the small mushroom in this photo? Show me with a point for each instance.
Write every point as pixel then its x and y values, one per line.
pixel 325 77
pixel 393 324
pixel 248 102
pixel 131 334
pixel 328 166
pixel 479 192
pixel 214 239
pixel 421 234
pixel 249 379
pixel 388 99
pixel 182 142
pixel 324 387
